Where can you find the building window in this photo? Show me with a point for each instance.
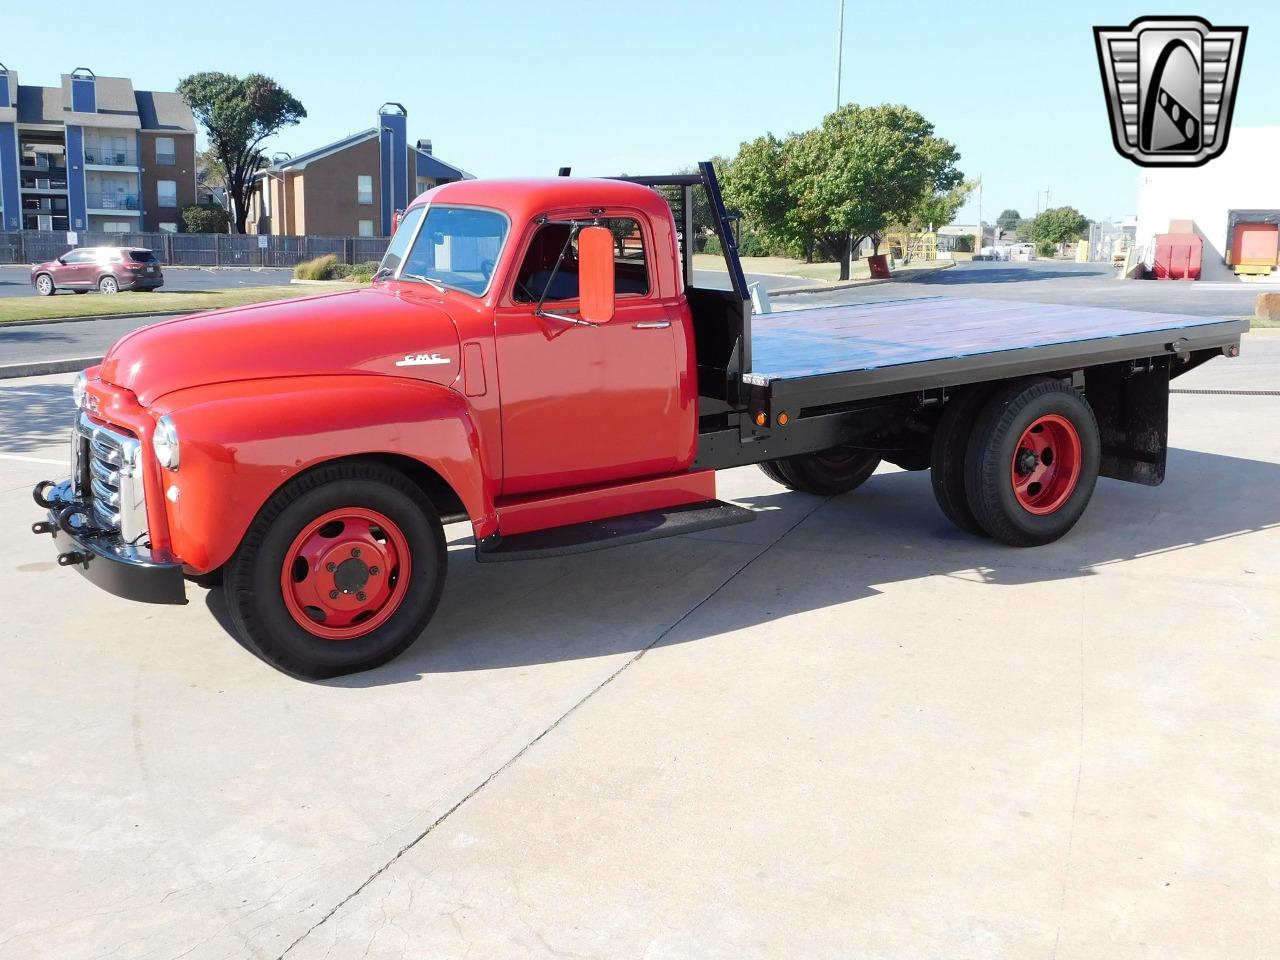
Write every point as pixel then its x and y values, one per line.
pixel 164 152
pixel 168 228
pixel 424 184
pixel 364 189
pixel 115 226
pixel 365 228
pixel 166 193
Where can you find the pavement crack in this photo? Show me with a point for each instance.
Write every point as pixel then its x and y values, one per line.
pixel 662 634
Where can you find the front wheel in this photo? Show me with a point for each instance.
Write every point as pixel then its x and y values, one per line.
pixel 1032 462
pixel 340 572
pixel 826 473
pixel 44 285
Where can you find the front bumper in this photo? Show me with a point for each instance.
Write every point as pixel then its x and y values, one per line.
pixel 104 560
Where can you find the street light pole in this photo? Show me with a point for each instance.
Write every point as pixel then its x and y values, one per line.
pixel 839 50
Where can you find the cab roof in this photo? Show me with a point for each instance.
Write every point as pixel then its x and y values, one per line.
pixel 524 199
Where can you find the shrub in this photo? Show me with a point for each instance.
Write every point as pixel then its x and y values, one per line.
pixel 317 269
pixel 965 242
pixel 339 271
pixel 205 219
pixel 712 246
pixel 1046 248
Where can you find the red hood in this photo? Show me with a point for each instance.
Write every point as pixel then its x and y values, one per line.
pixel 358 331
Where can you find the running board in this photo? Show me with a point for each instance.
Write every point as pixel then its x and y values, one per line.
pixel 612 531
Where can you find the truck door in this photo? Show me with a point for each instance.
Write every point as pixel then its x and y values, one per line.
pixel 588 404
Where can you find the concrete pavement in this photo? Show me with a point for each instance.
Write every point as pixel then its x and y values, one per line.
pixel 844 730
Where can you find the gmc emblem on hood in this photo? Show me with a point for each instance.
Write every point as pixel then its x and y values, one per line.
pixel 421 360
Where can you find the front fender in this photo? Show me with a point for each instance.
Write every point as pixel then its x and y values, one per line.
pixel 240 442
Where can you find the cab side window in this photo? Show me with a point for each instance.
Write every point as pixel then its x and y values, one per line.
pixel 630 264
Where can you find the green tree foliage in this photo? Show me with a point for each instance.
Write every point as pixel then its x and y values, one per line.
pixel 965 242
pixel 205 219
pixel 1059 225
pixel 1008 220
pixel 824 191
pixel 239 114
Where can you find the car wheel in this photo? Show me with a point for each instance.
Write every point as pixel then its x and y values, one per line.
pixel 340 571
pixel 108 285
pixel 44 285
pixel 1032 462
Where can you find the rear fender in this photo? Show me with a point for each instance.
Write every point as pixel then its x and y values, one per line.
pixel 240 442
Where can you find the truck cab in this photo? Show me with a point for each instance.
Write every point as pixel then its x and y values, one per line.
pixel 535 357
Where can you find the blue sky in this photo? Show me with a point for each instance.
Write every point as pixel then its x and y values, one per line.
pixel 518 88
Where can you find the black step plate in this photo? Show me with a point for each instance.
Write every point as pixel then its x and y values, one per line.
pixel 613 531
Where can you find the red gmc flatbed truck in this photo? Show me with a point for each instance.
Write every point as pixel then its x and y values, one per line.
pixel 534 357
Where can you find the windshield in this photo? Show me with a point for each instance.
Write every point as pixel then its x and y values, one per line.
pixel 456 247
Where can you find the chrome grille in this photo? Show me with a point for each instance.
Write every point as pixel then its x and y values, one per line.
pixel 107 473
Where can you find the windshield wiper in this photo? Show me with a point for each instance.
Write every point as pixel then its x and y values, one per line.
pixel 427 280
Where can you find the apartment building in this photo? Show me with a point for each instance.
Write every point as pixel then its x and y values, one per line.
pixel 351 187
pixel 93 154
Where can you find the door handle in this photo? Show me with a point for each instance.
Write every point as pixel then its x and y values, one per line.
pixel 652 325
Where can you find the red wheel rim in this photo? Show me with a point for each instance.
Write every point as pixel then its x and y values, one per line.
pixel 346 573
pixel 1046 464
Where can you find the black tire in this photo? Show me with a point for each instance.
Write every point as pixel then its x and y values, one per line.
pixel 827 473
pixel 993 444
pixel 108 285
pixel 950 443
pixel 252 578
pixel 770 470
pixel 44 289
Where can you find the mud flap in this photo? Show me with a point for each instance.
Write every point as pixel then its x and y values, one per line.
pixel 1131 404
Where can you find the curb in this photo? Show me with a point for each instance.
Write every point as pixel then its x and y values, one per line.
pixel 42 368
pixel 847 284
pixel 5 324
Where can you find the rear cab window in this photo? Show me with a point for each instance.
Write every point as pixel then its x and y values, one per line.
pixel 539 274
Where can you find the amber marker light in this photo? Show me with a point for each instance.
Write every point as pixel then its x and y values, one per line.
pixel 761 419
pixel 783 419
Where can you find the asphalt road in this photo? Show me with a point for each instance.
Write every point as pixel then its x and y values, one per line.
pixel 845 729
pixel 16 281
pixel 1046 282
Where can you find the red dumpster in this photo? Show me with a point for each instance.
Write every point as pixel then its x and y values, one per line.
pixel 1178 256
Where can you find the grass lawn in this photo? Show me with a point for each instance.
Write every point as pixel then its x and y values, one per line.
pixel 64 305
pixel 783 266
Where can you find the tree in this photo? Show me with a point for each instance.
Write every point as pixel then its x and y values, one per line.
pixel 239 114
pixel 205 219
pixel 1058 225
pixel 211 179
pixel 1008 220
pixel 827 190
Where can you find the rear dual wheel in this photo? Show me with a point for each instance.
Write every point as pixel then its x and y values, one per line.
pixel 339 572
pixel 827 473
pixel 1025 470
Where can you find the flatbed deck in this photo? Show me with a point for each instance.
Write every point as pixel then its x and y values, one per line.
pixel 868 349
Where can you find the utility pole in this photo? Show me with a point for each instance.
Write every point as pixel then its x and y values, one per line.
pixel 839 50
pixel 981 233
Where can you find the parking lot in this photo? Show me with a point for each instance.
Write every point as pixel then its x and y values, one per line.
pixel 844 730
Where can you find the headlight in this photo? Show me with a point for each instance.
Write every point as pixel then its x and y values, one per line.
pixel 165 443
pixel 77 390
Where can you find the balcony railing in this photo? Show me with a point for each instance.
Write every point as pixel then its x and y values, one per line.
pixel 42 183
pixel 112 201
pixel 42 163
pixel 110 156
